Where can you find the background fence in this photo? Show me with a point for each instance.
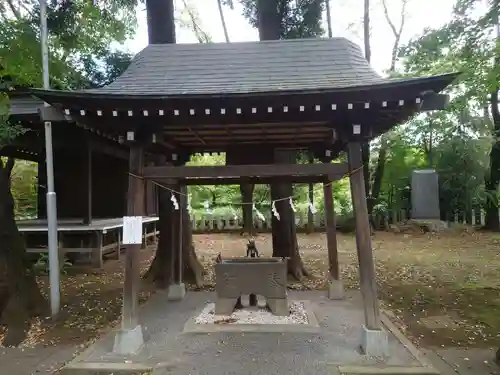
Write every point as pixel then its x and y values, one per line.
pixel 212 223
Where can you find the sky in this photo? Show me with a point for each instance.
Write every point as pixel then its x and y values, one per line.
pixel 347 16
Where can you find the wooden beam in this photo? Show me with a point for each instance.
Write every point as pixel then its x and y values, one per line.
pixel 103 147
pixel 363 238
pixel 243 126
pixel 53 114
pixel 20 154
pixel 236 138
pixel 251 180
pixel 135 207
pixel 261 171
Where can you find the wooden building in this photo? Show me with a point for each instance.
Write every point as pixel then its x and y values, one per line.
pixel 259 98
pixel 90 174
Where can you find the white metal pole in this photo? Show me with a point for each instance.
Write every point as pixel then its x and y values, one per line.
pixel 55 295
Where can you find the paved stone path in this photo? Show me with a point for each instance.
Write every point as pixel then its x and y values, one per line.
pixel 242 353
pixel 174 351
pixel 39 360
pixel 472 361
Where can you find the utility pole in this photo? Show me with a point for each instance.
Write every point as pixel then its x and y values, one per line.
pixel 54 271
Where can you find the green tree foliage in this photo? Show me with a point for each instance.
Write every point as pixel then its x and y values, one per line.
pixel 80 33
pixel 457 141
pixel 24 182
pixel 299 18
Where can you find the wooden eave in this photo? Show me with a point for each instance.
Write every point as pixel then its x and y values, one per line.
pixel 309 119
pixel 392 89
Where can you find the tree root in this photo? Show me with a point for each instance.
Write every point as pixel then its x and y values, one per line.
pixel 296 269
pixel 17 320
pixel 193 270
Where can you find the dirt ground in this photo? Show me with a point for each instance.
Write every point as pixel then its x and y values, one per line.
pixel 443 288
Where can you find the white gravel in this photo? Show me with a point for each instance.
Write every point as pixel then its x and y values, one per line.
pixel 260 315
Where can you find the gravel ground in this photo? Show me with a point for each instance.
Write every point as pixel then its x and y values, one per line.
pixel 260 315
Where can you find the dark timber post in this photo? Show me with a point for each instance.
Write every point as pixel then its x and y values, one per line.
pixel 150 197
pixel 180 261
pixel 363 238
pixel 88 171
pixel 374 340
pixel 335 288
pixel 174 224
pixel 130 338
pixel 310 216
pixel 177 289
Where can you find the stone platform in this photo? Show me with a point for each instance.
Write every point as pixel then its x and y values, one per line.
pixel 331 349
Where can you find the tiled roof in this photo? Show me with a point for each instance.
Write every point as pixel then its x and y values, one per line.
pixel 246 67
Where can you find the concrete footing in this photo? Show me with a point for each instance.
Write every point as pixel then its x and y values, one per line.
pixel 335 289
pixel 176 292
pixel 278 306
pixel 128 341
pixel 374 343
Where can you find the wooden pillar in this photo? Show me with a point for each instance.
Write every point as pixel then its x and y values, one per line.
pixel 177 289
pixel 88 177
pixel 331 233
pixel 180 260
pixel 97 261
pixel 177 239
pixel 174 224
pixel 363 238
pixel 135 207
pixel 310 187
pixel 150 197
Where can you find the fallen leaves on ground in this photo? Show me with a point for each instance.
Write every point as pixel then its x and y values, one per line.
pixel 419 275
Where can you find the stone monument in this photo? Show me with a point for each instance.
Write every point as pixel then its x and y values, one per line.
pixel 425 195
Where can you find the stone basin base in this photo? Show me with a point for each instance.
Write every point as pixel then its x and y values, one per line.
pixel 266 277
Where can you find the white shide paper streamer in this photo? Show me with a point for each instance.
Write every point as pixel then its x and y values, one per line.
pixel 174 202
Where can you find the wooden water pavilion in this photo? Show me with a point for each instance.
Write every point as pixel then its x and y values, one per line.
pixel 258 98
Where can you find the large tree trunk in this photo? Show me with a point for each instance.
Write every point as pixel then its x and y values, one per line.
pixel 242 156
pixel 310 216
pixel 193 270
pixel 160 19
pixel 365 147
pixel 492 221
pixel 379 174
pixel 223 21
pixel 160 271
pixel 21 297
pixel 328 18
pixel 270 15
pixel 283 231
pixel 246 191
pixel 268 20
